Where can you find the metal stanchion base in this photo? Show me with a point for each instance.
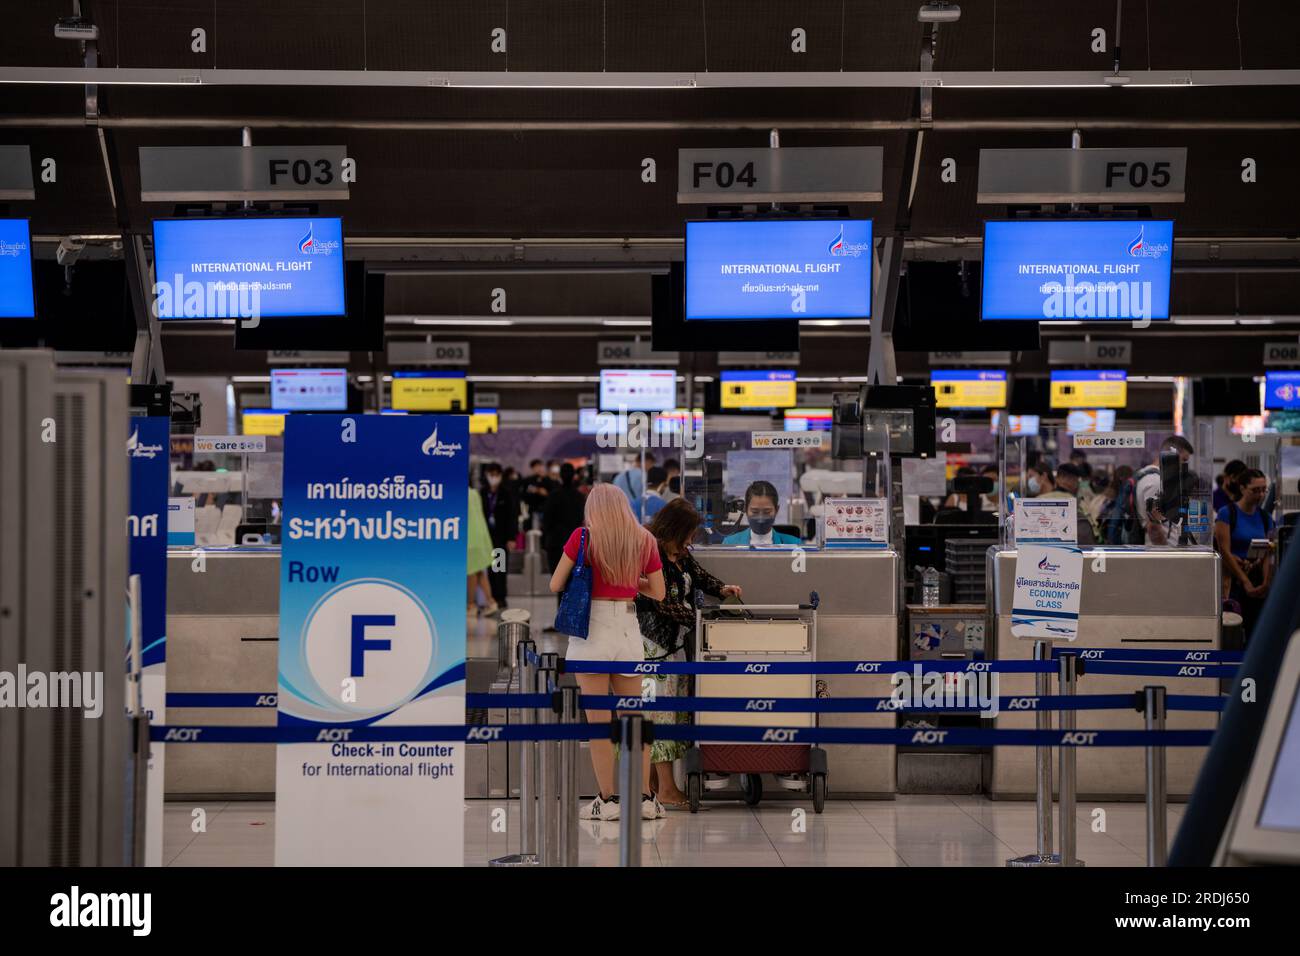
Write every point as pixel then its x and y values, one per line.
pixel 1035 859
pixel 516 859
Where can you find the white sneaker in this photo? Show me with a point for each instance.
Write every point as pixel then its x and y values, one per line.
pixel 599 809
pixel 651 808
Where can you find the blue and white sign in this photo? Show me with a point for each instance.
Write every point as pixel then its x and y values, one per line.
pixel 1047 270
pixel 208 268
pixel 779 269
pixel 17 300
pixel 180 521
pixel 147 450
pixel 1049 580
pixel 372 633
pixel 1282 391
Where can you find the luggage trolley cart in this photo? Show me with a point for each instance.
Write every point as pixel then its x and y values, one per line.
pixel 756 633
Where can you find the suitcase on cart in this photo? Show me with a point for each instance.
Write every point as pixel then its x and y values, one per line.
pixel 756 634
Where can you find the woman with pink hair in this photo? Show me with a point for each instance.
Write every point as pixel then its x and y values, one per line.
pixel 624 560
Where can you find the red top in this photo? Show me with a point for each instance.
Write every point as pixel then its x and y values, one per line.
pixel 601 590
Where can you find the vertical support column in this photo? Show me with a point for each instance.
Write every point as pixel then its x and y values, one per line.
pixel 626 732
pixel 548 770
pixel 882 368
pixel 527 754
pixel 1157 780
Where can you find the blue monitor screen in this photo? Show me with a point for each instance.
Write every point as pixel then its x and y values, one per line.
pixel 309 389
pixel 778 269
pixel 1089 270
pixel 16 297
pixel 230 268
pixel 1281 390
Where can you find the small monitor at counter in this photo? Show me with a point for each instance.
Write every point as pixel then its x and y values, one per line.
pixel 484 421
pixel 262 421
pixel 588 421
pixel 1282 391
pixel 969 388
pixel 759 389
pixel 1049 270
pixel 1085 420
pixel 309 389
pixel 1017 425
pixel 808 419
pixel 1089 389
pixel 430 391
pixel 638 389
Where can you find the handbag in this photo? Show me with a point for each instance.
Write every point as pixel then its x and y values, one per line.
pixel 574 616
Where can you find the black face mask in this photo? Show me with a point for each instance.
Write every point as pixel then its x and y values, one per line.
pixel 761 526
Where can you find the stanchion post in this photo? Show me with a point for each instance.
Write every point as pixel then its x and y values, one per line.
pixel 1042 772
pixel 548 770
pixel 627 732
pixel 1157 779
pixel 570 715
pixel 1068 675
pixel 524 651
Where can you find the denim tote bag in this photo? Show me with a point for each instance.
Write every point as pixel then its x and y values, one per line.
pixel 574 616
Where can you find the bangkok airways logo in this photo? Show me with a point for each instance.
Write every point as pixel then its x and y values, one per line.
pixel 1139 248
pixel 309 245
pixel 438 449
pixel 839 248
pixel 1048 566
pixel 136 449
pixel 1286 392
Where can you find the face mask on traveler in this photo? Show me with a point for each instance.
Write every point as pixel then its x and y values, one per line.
pixel 761 526
pixel 1034 486
pixel 493 480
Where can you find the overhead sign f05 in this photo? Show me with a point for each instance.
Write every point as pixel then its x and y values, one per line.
pixel 1082 175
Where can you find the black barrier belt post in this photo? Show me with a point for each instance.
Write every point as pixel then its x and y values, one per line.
pixel 1069 677
pixel 526 681
pixel 629 732
pixel 1042 774
pixel 548 829
pixel 1153 704
pixel 570 713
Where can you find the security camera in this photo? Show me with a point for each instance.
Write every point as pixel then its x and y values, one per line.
pixel 69 250
pixel 75 28
pixel 939 12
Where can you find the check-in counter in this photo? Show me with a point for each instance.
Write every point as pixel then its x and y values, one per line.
pixel 857 620
pixel 223 621
pixel 1165 599
pixel 223 637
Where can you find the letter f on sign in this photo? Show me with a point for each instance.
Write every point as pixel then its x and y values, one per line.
pixel 361 643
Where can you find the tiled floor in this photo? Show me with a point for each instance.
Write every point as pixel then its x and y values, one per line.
pixel 909 831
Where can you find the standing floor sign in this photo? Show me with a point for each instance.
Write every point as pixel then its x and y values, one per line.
pixel 147 449
pixel 372 634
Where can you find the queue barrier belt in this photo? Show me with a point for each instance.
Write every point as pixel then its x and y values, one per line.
pixel 487 733
pixel 1091 654
pixel 884 668
pixel 847 705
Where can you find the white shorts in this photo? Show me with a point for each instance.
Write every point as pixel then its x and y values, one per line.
pixel 612 635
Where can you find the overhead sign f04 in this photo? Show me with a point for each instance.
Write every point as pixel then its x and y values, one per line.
pixel 790 174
